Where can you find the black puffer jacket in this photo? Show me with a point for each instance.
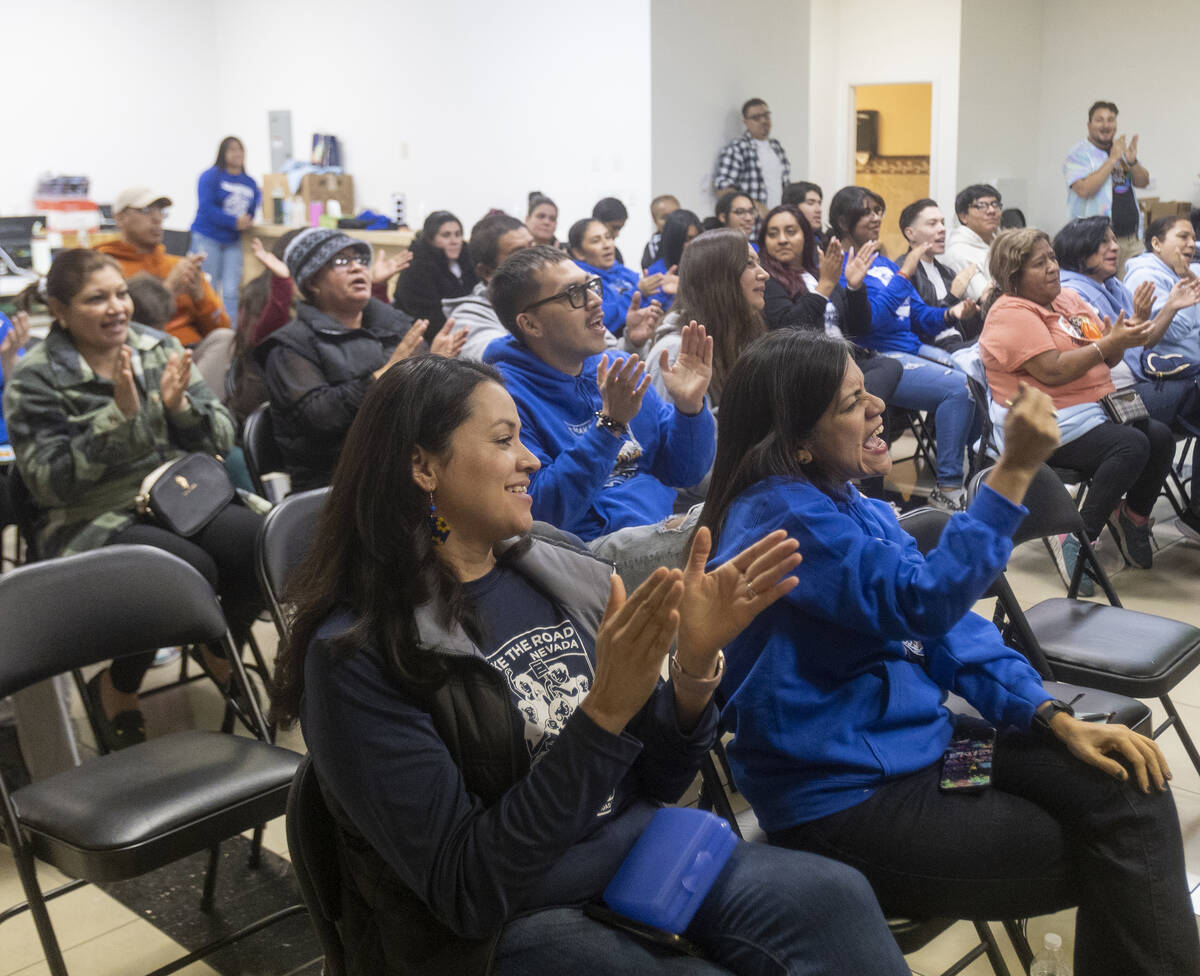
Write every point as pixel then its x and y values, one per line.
pixel 424 283
pixel 318 372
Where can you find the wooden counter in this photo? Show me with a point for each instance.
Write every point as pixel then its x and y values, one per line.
pixel 387 240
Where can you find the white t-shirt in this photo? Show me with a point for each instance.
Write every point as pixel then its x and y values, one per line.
pixel 935 278
pixel 772 171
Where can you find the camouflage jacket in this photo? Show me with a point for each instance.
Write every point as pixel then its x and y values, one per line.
pixel 81 457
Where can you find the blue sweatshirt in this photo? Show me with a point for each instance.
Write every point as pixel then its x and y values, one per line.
pixel 839 685
pixel 592 483
pixel 223 198
pixel 619 285
pixel 1182 338
pixel 900 320
pixel 660 296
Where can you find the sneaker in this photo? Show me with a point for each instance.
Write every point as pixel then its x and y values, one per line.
pixel 1070 556
pixel 948 499
pixel 1134 541
pixel 124 729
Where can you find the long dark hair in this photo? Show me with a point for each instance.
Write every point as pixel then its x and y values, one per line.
pixel 848 206
pixel 225 144
pixel 779 388
pixel 710 292
pixel 674 235
pixel 373 549
pixel 791 278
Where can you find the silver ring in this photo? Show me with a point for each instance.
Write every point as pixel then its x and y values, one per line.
pixel 752 591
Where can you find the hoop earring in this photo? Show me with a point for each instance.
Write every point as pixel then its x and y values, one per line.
pixel 804 458
pixel 439 530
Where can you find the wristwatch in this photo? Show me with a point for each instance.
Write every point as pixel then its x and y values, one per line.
pixel 605 422
pixel 1046 711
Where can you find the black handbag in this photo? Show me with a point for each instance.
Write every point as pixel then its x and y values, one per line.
pixel 186 494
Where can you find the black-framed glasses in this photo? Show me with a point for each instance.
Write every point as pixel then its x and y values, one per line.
pixel 342 260
pixel 576 294
pixel 983 206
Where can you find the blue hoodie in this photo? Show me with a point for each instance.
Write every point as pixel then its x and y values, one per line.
pixel 1111 298
pixel 900 320
pixel 619 285
pixel 838 686
pixel 1182 338
pixel 223 198
pixel 592 483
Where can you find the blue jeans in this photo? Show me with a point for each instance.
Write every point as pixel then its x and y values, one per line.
pixel 925 385
pixel 1171 402
pixel 1049 832
pixel 770 911
pixel 223 264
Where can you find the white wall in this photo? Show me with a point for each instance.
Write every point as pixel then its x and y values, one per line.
pixel 1025 93
pixel 460 105
pixel 708 57
pixel 108 90
pixel 867 42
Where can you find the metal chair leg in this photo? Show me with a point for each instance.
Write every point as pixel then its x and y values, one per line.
pixel 1016 935
pixel 210 879
pixel 27 870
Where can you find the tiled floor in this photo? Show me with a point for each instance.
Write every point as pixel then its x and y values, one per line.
pixel 101 937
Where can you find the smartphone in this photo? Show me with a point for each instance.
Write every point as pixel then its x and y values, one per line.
pixel 967 762
pixel 656 936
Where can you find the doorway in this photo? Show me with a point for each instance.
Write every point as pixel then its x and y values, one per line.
pixel 892 139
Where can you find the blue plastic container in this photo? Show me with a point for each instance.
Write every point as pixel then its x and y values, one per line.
pixel 668 872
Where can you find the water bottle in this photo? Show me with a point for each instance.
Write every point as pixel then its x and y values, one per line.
pixel 1050 961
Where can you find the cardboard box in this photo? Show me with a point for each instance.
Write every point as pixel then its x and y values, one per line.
pixel 1168 208
pixel 313 187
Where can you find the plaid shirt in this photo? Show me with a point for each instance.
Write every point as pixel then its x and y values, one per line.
pixel 738 166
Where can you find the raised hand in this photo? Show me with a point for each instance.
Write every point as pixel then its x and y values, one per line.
pixel 1126 333
pixel 388 267
pixel 915 256
pixel 447 342
pixel 688 377
pixel 180 279
pixel 1118 149
pixel 958 287
pixel 269 260
pixel 621 387
pixel 405 347
pixel 125 391
pixel 829 267
pixel 1130 152
pixel 670 282
pixel 631 645
pixel 719 605
pixel 1184 293
pixel 649 284
pixel 963 310
pixel 13 342
pixel 174 382
pixel 1143 301
pixel 640 322
pixel 857 265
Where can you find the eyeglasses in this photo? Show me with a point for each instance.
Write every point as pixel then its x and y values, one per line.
pixel 743 212
pixel 758 117
pixel 983 206
pixel 343 260
pixel 576 294
pixel 152 211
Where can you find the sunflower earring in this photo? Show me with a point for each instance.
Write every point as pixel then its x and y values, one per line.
pixel 438 528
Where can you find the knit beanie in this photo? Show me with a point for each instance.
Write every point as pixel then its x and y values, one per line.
pixel 312 249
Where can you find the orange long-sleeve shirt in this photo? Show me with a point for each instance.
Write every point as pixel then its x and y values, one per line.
pixel 192 320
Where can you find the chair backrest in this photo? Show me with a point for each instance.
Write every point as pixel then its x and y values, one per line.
pixel 312 843
pixel 78 610
pixel 258 443
pixel 283 541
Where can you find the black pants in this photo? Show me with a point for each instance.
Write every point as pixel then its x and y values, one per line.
pixel 1127 461
pixel 223 552
pixel 1050 832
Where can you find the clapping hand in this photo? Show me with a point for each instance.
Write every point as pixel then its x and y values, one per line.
pixel 125 391
pixel 688 377
pixel 631 644
pixel 388 267
pixel 829 267
pixel 857 265
pixel 406 347
pixel 1129 153
pixel 958 287
pixel 719 605
pixel 640 322
pixel 1118 149
pixel 1143 301
pixel 269 260
pixel 963 310
pixel 649 284
pixel 670 282
pixel 1127 332
pixel 621 387
pixel 1184 293
pixel 914 257
pixel 447 342
pixel 174 382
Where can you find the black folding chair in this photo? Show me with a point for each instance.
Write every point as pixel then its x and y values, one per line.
pixel 312 843
pixel 283 542
pixel 1107 647
pixel 129 812
pixel 258 445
